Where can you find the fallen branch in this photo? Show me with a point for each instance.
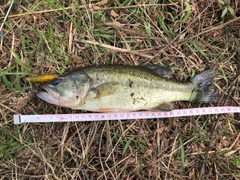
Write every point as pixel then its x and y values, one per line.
pixel 113 48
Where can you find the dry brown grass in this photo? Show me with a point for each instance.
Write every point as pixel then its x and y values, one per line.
pixel 43 37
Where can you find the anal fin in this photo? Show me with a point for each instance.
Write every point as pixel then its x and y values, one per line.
pixel 166 106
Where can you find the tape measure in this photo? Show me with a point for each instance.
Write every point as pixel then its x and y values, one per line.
pixel 19 119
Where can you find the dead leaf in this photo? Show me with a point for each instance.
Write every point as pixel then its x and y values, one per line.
pixel 95 7
pixel 113 13
pixel 115 24
pixel 130 160
pixel 148 152
pixel 150 171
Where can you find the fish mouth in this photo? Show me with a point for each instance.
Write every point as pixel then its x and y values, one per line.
pixel 49 95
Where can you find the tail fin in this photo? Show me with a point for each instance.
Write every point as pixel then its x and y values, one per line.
pixel 205 92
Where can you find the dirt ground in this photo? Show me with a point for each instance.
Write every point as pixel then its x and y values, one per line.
pixel 46 37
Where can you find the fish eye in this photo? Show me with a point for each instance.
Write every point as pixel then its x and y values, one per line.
pixel 55 82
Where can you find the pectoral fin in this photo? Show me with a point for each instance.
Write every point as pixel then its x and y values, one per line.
pixel 105 89
pixel 166 106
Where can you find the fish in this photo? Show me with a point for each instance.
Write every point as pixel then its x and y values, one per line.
pixel 115 88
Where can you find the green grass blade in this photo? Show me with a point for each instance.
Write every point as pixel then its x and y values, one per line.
pixel 188 12
pixel 182 154
pixel 127 145
pixel 20 62
pixel 196 46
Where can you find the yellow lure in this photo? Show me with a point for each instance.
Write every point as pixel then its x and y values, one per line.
pixel 43 78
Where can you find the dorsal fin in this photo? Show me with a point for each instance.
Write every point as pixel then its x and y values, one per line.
pixel 162 71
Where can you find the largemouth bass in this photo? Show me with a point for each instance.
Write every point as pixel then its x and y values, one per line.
pixel 108 88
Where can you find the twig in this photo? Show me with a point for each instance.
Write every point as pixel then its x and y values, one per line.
pixel 114 48
pixel 236 140
pixel 211 29
pixel 8 108
pixel 70 38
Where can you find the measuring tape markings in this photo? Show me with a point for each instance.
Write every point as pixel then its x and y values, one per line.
pixel 18 119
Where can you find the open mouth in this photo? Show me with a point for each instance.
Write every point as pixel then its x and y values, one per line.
pixel 48 95
pixel 44 89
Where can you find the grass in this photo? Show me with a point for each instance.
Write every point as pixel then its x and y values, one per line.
pixel 44 37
